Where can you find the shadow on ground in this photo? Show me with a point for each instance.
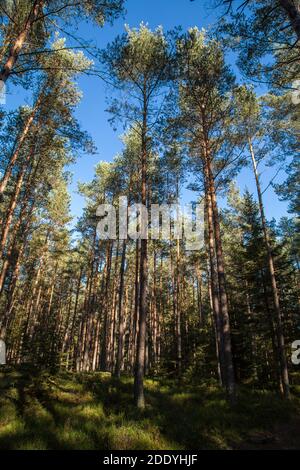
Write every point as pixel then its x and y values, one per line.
pixel 95 411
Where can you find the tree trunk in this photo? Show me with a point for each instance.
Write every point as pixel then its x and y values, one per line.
pixel 228 361
pixel 141 343
pixel 136 303
pixel 214 283
pixel 279 327
pixel 21 218
pixel 13 202
pixel 178 312
pixel 120 314
pixel 292 9
pixel 14 239
pixel 103 355
pixel 20 40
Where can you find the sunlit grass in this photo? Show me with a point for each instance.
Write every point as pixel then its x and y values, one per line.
pixel 95 411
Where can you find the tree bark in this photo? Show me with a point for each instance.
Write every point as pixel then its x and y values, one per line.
pixel 292 9
pixel 120 314
pixel 215 291
pixel 103 355
pixel 279 326
pixel 228 361
pixel 20 40
pixel 141 343
pixel 15 155
pixel 13 201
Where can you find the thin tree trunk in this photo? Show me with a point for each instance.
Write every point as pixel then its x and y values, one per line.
pixel 13 202
pixel 15 155
pixel 16 233
pixel 113 319
pixel 120 314
pixel 103 355
pixel 178 312
pixel 135 328
pixel 141 343
pixel 20 219
pixel 228 361
pixel 279 327
pixel 214 287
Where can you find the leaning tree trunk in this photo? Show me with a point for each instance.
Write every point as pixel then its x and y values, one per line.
pixel 17 225
pixel 12 245
pixel 20 40
pixel 279 327
pixel 13 201
pixel 18 147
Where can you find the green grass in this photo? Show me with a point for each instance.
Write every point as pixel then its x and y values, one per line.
pixel 94 411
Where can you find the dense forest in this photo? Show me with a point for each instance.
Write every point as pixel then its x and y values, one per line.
pixel 196 108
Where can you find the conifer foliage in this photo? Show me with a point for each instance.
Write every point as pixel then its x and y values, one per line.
pixel 226 312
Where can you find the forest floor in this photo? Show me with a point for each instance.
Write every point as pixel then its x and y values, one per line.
pixel 95 411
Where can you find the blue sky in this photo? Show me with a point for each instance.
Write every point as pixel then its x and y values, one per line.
pixel 91 112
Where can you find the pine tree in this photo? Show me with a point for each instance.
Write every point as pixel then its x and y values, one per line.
pixel 204 86
pixel 138 64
